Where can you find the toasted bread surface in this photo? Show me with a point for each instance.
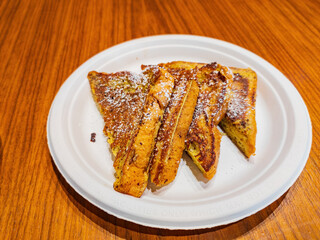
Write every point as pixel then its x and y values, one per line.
pixel 120 98
pixel 150 118
pixel 170 141
pixel 203 138
pixel 239 122
pixel 132 172
pixel 132 106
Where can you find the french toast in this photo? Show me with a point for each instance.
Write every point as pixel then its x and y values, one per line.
pixel 170 141
pixel 120 98
pixel 239 122
pixel 132 175
pixel 150 118
pixel 203 138
pixel 132 158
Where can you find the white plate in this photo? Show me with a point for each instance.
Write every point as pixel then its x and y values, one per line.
pixel 240 187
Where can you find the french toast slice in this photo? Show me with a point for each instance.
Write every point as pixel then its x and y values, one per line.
pixel 170 141
pixel 120 98
pixel 239 122
pixel 203 139
pixel 133 170
pixel 150 99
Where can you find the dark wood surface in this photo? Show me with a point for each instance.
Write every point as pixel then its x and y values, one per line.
pixel 42 42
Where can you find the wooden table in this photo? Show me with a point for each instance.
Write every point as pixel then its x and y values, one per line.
pixel 42 42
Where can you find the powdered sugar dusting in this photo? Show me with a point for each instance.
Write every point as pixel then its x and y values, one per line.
pixel 238 104
pixel 213 96
pixel 120 97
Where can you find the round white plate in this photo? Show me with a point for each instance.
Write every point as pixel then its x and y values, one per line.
pixel 240 188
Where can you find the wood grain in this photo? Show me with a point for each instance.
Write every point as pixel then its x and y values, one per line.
pixel 42 42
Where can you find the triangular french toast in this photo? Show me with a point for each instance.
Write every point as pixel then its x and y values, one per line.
pixel 150 118
pixel 203 139
pixel 133 172
pixel 133 155
pixel 177 118
pixel 239 122
pixel 120 98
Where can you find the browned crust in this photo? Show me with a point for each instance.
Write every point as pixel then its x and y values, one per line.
pixel 171 137
pixel 132 173
pixel 239 122
pixel 120 98
pixel 203 139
